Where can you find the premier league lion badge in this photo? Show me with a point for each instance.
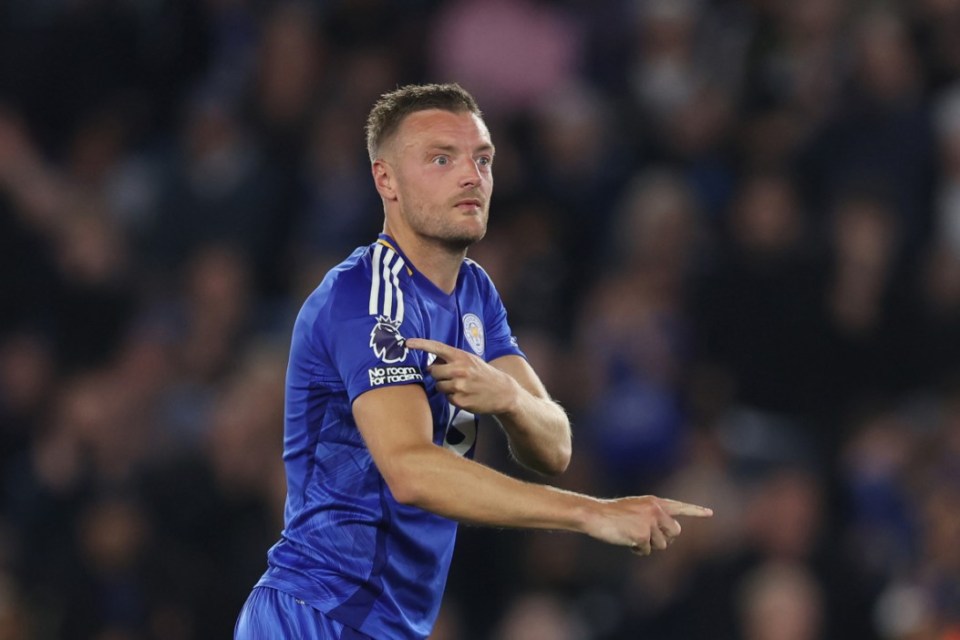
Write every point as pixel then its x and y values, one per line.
pixel 386 341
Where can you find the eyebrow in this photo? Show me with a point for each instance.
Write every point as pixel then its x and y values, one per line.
pixel 449 148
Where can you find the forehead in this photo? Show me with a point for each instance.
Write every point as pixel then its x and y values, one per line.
pixel 446 128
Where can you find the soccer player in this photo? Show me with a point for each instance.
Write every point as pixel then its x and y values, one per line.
pixel 395 358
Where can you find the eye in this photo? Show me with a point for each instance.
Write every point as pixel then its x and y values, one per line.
pixel 485 161
pixel 441 160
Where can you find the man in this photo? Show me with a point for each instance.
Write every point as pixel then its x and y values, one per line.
pixel 394 357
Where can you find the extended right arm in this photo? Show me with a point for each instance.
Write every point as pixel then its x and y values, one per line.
pixel 396 425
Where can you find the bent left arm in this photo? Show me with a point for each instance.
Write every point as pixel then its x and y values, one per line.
pixel 537 427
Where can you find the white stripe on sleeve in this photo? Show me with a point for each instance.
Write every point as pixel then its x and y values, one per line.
pixel 388 285
pixel 375 284
pixel 396 283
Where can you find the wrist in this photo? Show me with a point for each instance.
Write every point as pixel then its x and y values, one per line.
pixel 512 399
pixel 586 514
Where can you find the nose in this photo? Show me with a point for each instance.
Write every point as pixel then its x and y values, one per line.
pixel 471 176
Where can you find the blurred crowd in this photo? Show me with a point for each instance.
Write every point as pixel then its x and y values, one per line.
pixel 727 233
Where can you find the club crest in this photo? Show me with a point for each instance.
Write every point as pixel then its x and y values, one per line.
pixel 473 332
pixel 386 341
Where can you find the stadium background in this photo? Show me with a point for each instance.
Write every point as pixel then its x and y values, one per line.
pixel 727 232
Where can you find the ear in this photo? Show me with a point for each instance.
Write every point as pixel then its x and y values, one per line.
pixel 384 179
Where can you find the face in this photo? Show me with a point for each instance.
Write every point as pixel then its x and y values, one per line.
pixel 440 176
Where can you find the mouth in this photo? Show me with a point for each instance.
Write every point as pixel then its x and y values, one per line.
pixel 469 203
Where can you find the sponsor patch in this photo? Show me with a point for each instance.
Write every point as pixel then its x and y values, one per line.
pixel 392 375
pixel 473 331
pixel 386 341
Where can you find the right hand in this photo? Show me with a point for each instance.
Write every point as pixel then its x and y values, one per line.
pixel 643 523
pixel 469 382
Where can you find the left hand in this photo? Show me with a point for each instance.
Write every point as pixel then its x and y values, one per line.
pixel 467 380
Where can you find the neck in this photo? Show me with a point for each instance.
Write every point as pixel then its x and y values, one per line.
pixel 438 262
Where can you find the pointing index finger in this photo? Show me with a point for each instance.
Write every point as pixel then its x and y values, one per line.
pixel 438 349
pixel 677 508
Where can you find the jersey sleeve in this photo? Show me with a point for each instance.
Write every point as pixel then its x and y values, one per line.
pixel 367 343
pixel 500 339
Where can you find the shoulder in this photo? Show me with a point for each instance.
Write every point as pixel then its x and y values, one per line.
pixel 342 284
pixel 368 282
pixel 472 269
pixel 473 266
pixel 472 272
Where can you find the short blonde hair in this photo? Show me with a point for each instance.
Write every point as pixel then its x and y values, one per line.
pixel 390 110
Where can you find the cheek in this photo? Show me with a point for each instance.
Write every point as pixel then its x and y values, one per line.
pixel 407 190
pixel 420 186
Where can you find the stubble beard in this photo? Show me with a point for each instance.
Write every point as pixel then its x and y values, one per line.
pixel 437 230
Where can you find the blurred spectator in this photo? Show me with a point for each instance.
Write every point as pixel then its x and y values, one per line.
pixel 540 616
pixel 210 320
pixel 528 258
pixel 784 521
pixel 113 574
pixel 27 373
pixel 930 355
pixel 863 305
pixel 935 24
pixel 340 207
pixel 947 123
pixel 289 72
pixel 14 619
pixel 580 162
pixel 666 73
pixel 876 464
pixel 449 625
pixel 633 336
pixel 881 138
pixel 781 601
pixel 509 54
pixel 96 299
pixel 762 287
pixel 914 478
pixel 234 31
pixel 797 63
pixel 39 220
pixel 218 188
pixel 214 508
pixel 659 595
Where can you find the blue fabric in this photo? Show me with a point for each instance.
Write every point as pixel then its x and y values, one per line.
pixel 269 614
pixel 348 548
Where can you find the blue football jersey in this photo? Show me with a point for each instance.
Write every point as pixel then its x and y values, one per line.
pixel 348 548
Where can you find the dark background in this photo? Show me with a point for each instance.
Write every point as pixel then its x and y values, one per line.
pixel 727 233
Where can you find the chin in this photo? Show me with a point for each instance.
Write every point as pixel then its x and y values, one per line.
pixel 465 236
pixel 461 243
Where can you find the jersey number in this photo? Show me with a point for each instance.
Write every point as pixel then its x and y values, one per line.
pixel 461 432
